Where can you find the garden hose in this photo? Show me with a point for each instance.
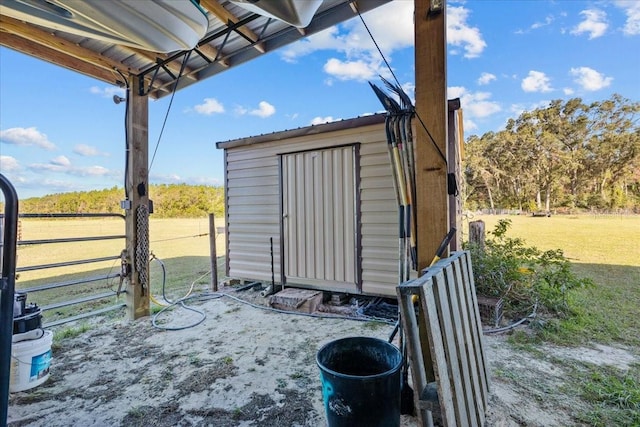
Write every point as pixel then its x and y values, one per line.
pixel 164 281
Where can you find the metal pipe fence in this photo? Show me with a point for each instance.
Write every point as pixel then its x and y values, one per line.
pixel 103 296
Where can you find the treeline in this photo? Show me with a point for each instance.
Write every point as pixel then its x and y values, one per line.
pixel 169 201
pixel 568 154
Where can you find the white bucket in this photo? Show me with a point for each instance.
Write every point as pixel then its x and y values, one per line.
pixel 30 362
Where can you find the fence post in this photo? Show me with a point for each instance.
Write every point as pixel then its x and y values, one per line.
pixel 212 250
pixel 476 233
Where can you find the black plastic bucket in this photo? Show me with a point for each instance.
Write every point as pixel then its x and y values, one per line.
pixel 360 382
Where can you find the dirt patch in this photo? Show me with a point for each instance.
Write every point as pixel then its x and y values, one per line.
pixel 245 366
pixel 599 354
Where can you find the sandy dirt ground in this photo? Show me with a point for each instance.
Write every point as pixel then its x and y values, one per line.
pixel 247 366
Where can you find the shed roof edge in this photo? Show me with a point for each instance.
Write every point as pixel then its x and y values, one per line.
pixel 304 131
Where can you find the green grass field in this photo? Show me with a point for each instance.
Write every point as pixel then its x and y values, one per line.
pixel 603 248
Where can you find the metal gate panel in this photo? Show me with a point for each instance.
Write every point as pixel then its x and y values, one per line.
pixel 319 218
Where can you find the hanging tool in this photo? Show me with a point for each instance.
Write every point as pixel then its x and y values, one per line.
pixel 398 131
pixel 443 246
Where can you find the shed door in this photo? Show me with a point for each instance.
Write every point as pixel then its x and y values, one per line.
pixel 319 218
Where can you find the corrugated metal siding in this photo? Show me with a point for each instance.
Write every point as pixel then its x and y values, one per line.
pixel 379 218
pixel 253 201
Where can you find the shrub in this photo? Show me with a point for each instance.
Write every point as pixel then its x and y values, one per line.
pixel 525 277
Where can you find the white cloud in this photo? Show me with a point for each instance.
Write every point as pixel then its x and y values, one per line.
pixel 469 125
pixel 475 105
pixel 321 120
pixel 589 79
pixel 91 171
pixel 351 70
pixel 47 167
pixel 352 39
pixel 88 151
pixel 536 81
pixel 62 164
pixel 58 186
pixel 264 110
pixel 171 178
pixel 460 34
pixel 361 59
pixel 632 10
pixel 308 45
pixel 478 104
pixel 108 91
pixel 9 164
pixel 455 92
pixel 568 91
pixel 410 89
pixel 486 78
pixel 547 21
pixel 62 161
pixel 26 137
pixel 595 23
pixel 209 106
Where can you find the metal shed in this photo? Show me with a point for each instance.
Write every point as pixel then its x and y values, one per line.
pixel 324 196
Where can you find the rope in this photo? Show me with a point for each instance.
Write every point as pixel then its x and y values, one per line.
pixel 166 116
pixel 433 141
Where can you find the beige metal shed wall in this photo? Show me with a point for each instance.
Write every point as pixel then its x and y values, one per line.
pixel 253 199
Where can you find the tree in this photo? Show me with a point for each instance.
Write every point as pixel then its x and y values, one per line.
pixel 178 201
pixel 559 155
pixel 613 144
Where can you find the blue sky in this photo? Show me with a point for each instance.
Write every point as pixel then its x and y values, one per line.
pixel 61 132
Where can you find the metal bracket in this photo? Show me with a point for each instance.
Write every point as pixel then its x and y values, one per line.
pixel 125 270
pixel 435 6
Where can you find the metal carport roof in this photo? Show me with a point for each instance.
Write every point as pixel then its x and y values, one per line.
pixel 234 36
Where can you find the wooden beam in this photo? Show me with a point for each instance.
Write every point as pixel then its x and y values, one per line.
pixel 44 53
pixel 137 202
pixel 50 40
pixel 225 16
pixel 431 107
pixel 49 47
pixel 211 53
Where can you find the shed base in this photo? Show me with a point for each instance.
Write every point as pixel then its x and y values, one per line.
pixel 293 299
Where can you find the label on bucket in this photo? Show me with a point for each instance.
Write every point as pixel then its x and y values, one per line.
pixel 40 366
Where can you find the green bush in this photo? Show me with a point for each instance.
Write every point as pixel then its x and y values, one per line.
pixel 525 277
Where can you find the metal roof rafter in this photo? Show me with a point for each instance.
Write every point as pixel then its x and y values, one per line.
pixel 160 64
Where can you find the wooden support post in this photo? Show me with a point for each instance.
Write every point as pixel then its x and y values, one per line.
pixel 454 159
pixel 431 106
pixel 432 216
pixel 137 201
pixel 213 252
